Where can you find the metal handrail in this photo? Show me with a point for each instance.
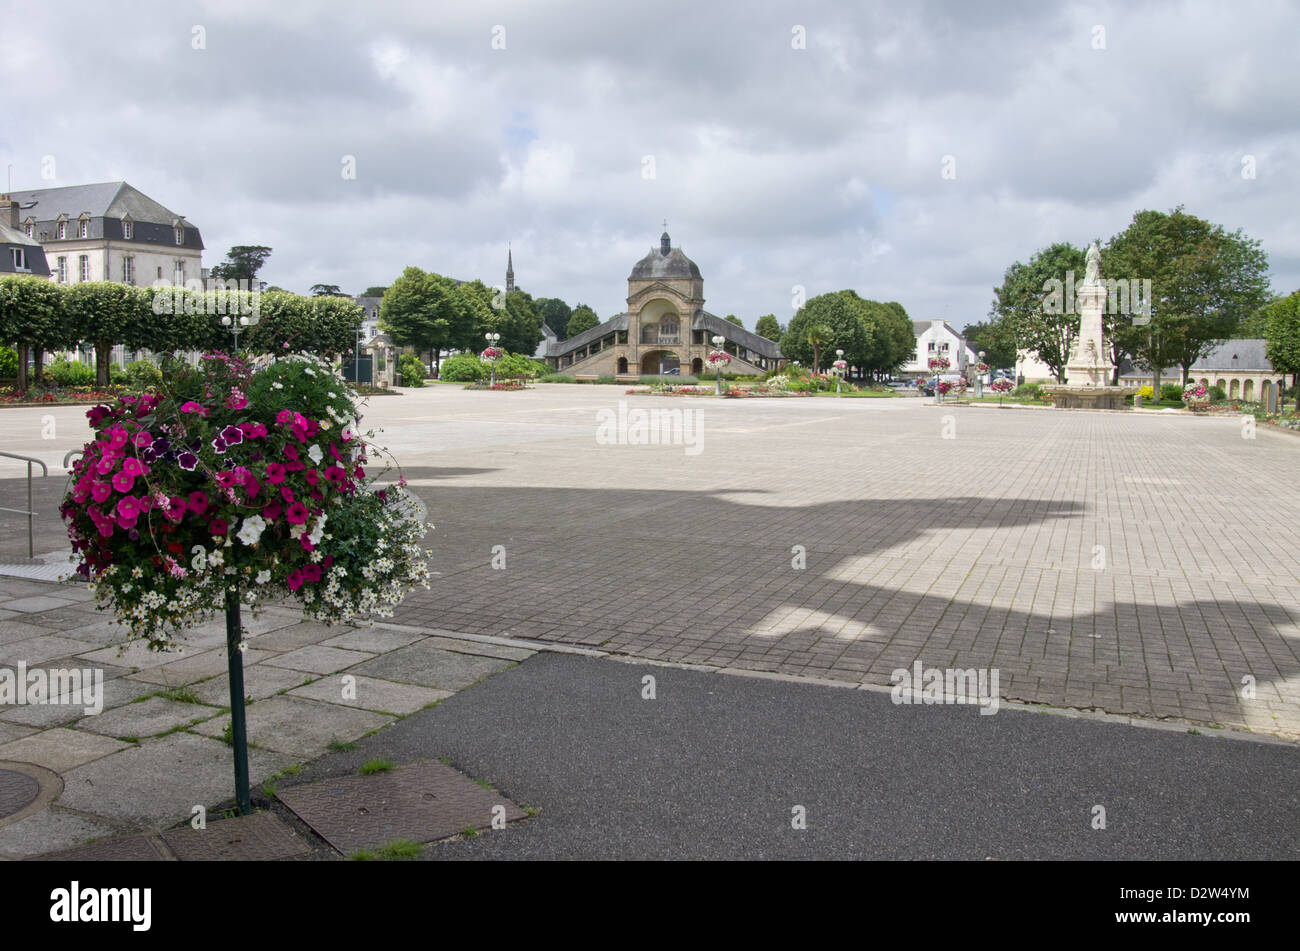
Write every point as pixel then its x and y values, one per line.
pixel 29 513
pixel 70 453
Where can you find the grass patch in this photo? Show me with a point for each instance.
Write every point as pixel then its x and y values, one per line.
pixel 484 783
pixel 469 832
pixel 397 850
pixel 336 745
pixel 376 766
pixel 180 695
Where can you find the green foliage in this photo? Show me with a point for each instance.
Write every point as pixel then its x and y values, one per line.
pixel 1027 315
pixel 1029 391
pixel 8 362
pixel 998 346
pixel 106 314
pixel 516 364
pixel 768 327
pixel 1205 281
pixel 426 311
pixel 555 314
pixel 1282 333
pixel 1147 393
pixel 824 324
pixel 33 314
pixel 143 375
pixel 732 318
pixel 326 326
pixel 1171 391
pixel 557 378
pixel 70 373
pixel 411 370
pixel 584 318
pixel 242 263
pixel 326 290
pixel 607 379
pixel 463 368
pixel 379 765
pixel 1217 393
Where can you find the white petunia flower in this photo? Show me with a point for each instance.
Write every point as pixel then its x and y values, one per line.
pixel 251 531
pixel 315 454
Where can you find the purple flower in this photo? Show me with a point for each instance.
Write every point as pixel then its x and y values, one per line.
pixel 219 445
pixel 187 461
pixel 232 435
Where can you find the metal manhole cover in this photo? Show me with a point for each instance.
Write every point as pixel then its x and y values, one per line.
pixel 260 837
pixel 17 791
pixel 423 803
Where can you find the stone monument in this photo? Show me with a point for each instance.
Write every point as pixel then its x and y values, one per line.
pixel 1089 370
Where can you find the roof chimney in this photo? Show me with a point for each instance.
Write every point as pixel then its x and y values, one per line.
pixel 8 212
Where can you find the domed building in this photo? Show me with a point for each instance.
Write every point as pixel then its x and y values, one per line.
pixel 665 330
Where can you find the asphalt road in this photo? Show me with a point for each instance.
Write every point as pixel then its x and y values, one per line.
pixel 715 765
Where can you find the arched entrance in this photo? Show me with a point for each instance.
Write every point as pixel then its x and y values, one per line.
pixel 658 362
pixel 622 364
pixel 1233 390
pixel 697 366
pixel 1248 391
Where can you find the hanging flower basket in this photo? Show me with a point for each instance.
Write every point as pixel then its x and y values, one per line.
pixel 1196 397
pixel 840 366
pixel 718 360
pixel 238 476
pixel 491 354
pixel 939 364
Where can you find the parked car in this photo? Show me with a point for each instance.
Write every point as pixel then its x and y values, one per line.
pixel 928 386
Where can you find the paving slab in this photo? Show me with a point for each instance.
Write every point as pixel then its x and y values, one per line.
pixel 260 837
pixel 53 829
pixel 13 731
pixel 422 802
pixel 431 667
pixel 196 667
pixel 35 650
pixel 299 727
pixel 135 848
pixel 19 630
pixel 260 681
pixel 17 791
pixel 61 749
pixel 368 693
pixel 478 648
pixel 137 655
pixel 117 692
pixel 147 718
pixel 35 603
pixel 158 782
pixel 320 659
pixel 300 634
pixel 376 640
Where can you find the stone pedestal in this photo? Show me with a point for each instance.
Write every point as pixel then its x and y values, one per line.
pixel 1090 397
pixel 1089 370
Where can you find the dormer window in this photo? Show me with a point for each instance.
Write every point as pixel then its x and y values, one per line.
pixel 61 230
pixel 29 227
pixel 180 234
pixel 128 228
pixel 83 227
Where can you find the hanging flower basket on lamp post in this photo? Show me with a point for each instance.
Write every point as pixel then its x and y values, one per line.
pixel 718 359
pixel 937 366
pixel 235 484
pixel 839 368
pixel 491 355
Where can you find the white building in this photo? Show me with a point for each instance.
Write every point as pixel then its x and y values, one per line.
pixel 937 338
pixel 109 232
pixel 1239 367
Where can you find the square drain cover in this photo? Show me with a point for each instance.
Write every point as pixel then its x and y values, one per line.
pixel 135 848
pixel 260 837
pixel 423 802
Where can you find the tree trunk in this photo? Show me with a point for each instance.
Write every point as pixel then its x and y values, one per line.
pixel 1155 382
pixel 38 364
pixel 102 349
pixel 23 351
pixel 817 360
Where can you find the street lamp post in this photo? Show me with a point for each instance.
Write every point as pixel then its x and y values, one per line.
pixel 838 367
pixel 979 379
pixel 492 339
pixel 356 361
pixel 235 326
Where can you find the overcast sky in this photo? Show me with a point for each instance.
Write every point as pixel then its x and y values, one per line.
pixel 774 166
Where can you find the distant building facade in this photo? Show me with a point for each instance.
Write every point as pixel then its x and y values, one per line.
pixel 937 338
pixel 19 254
pixel 109 232
pixel 1239 367
pixel 665 330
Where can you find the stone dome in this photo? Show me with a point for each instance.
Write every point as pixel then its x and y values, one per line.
pixel 664 263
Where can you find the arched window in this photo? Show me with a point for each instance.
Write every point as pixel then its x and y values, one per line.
pixel 622 364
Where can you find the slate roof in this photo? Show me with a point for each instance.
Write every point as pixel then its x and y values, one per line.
pixel 106 203
pixel 658 266
pixel 1250 352
pixel 610 326
pixel 713 324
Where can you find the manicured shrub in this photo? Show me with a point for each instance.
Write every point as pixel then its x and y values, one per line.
pixel 68 373
pixel 143 374
pixel 8 362
pixel 1217 393
pixel 463 368
pixel 411 370
pixel 1146 392
pixel 516 364
pixel 1171 391
pixel 557 378
pixel 1030 391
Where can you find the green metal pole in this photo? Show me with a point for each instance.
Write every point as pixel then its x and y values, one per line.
pixel 238 729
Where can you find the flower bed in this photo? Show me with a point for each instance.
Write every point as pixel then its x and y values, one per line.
pixel 238 476
pixel 62 394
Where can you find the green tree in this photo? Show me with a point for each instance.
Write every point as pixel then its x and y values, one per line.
pixel 735 320
pixel 1205 281
pixel 242 263
pixel 326 290
pixel 992 338
pixel 106 313
pixel 425 311
pixel 1029 314
pixel 826 323
pixel 890 340
pixel 555 313
pixel 373 292
pixel 1282 336
pixel 584 318
pixel 768 327
pixel 33 315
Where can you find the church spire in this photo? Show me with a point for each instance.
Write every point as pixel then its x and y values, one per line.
pixel 510 271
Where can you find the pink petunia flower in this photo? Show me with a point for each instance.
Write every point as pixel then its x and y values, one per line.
pixel 198 502
pixel 297 514
pixel 100 491
pixel 295 580
pixel 311 572
pixel 283 416
pixel 123 481
pixel 274 473
pixel 142 438
pixel 218 526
